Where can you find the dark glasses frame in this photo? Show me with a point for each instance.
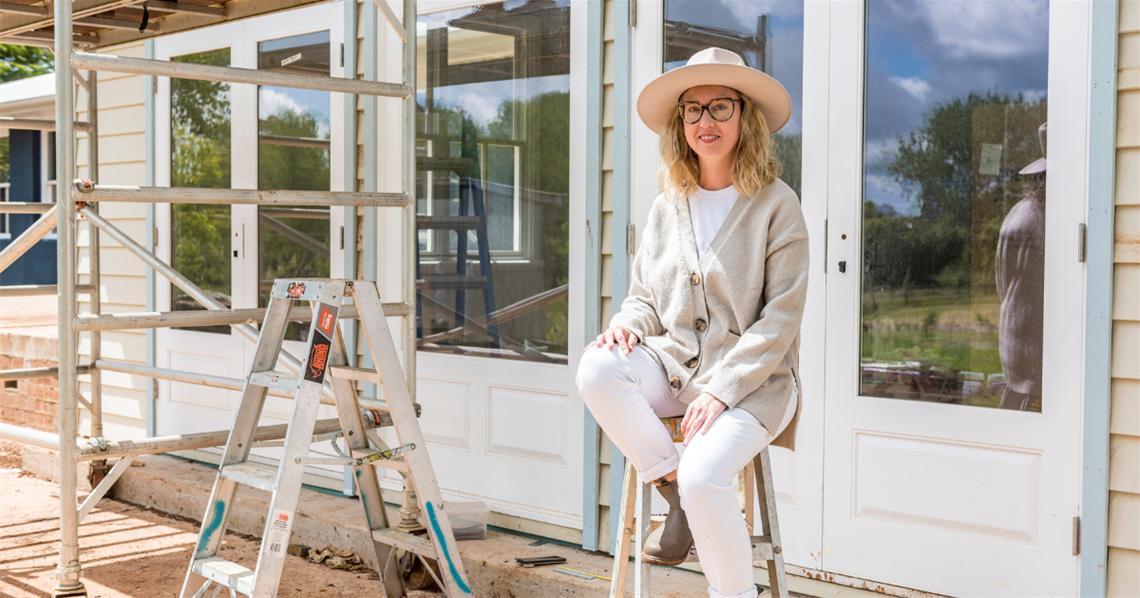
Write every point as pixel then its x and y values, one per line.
pixel 705 108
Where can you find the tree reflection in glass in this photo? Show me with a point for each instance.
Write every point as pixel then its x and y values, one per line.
pixel 200 157
pixel 493 174
pixel 293 154
pixel 955 94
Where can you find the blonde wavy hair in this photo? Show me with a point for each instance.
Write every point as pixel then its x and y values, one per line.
pixel 755 164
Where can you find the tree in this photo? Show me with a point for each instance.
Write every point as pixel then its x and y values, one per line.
pixel 21 62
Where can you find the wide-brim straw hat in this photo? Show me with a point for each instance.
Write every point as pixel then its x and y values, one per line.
pixel 1038 165
pixel 713 66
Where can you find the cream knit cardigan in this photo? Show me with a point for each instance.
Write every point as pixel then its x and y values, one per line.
pixel 729 323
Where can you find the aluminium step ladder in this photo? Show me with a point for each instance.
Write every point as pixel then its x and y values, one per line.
pixel 325 355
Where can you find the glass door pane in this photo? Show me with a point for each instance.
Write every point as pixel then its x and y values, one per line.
pixel 200 157
pixel 493 175
pixel 954 202
pixel 293 153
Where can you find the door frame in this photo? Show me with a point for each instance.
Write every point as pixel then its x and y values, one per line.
pixel 241 38
pixel 445 368
pixel 799 475
pixel 1064 296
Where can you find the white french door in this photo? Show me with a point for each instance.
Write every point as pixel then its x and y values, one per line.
pixel 244 137
pixel 797 31
pixel 499 135
pixel 927 484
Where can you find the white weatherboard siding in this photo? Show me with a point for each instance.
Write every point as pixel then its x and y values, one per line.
pixel 1124 463
pixel 122 161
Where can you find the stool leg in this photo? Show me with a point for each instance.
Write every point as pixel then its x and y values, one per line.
pixel 766 492
pixel 621 551
pixel 644 500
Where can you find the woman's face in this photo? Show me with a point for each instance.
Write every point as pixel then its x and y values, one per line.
pixel 713 141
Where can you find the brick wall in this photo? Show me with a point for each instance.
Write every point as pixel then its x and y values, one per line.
pixel 32 403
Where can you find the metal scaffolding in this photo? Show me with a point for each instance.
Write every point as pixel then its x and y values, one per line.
pixel 28 24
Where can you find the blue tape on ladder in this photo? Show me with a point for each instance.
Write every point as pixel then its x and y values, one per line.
pixel 435 529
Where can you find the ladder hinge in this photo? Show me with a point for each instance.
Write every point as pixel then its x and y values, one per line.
pixel 633 13
pixel 1082 242
pixel 631 239
pixel 1076 535
pixel 342 54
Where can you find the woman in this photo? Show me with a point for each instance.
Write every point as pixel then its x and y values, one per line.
pixel 710 327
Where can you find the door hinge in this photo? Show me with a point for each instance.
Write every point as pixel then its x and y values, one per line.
pixel 1076 535
pixel 631 239
pixel 342 237
pixel 342 54
pixel 633 13
pixel 154 238
pixel 154 85
pixel 1082 242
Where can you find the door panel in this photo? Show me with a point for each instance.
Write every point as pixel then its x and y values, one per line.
pixel 928 484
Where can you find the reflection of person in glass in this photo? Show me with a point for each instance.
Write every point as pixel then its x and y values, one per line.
pixel 1021 287
pixel 710 327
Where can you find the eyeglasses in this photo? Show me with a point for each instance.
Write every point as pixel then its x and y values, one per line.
pixel 720 109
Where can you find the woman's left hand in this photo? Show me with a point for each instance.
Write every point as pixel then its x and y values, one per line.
pixel 700 415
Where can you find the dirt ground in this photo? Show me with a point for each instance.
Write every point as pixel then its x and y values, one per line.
pixel 130 551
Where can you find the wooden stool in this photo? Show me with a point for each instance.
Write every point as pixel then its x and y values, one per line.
pixel 636 529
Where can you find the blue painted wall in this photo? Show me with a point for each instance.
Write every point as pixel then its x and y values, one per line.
pixel 37 266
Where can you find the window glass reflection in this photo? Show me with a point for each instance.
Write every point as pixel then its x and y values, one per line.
pixel 200 157
pixel 767 34
pixel 293 153
pixel 953 232
pixel 493 101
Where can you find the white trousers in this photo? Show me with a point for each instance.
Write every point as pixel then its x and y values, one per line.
pixel 628 394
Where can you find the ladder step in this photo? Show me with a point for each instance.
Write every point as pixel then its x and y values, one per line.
pixel 762 548
pixel 351 373
pixel 272 379
pixel 451 282
pixel 419 544
pixel 447 222
pixel 251 474
pixel 230 575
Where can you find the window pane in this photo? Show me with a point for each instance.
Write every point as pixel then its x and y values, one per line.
pixel 493 164
pixel 293 154
pixel 200 157
pixel 953 235
pixel 767 34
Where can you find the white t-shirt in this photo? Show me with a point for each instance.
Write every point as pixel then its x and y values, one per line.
pixel 708 209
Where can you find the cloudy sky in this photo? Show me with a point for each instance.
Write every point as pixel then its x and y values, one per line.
pixel 923 53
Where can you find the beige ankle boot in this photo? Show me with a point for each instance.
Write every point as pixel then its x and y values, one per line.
pixel 669 544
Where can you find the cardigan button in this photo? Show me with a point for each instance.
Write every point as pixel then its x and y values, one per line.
pixel 692 363
pixel 675 382
pixel 701 325
pixel 695 278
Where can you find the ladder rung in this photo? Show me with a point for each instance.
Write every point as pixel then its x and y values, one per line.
pixel 451 282
pixel 418 544
pixel 251 474
pixel 762 548
pixel 447 222
pixel 230 575
pixel 272 379
pixel 351 373
pixel 399 465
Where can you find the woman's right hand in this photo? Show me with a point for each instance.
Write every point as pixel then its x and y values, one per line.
pixel 624 339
